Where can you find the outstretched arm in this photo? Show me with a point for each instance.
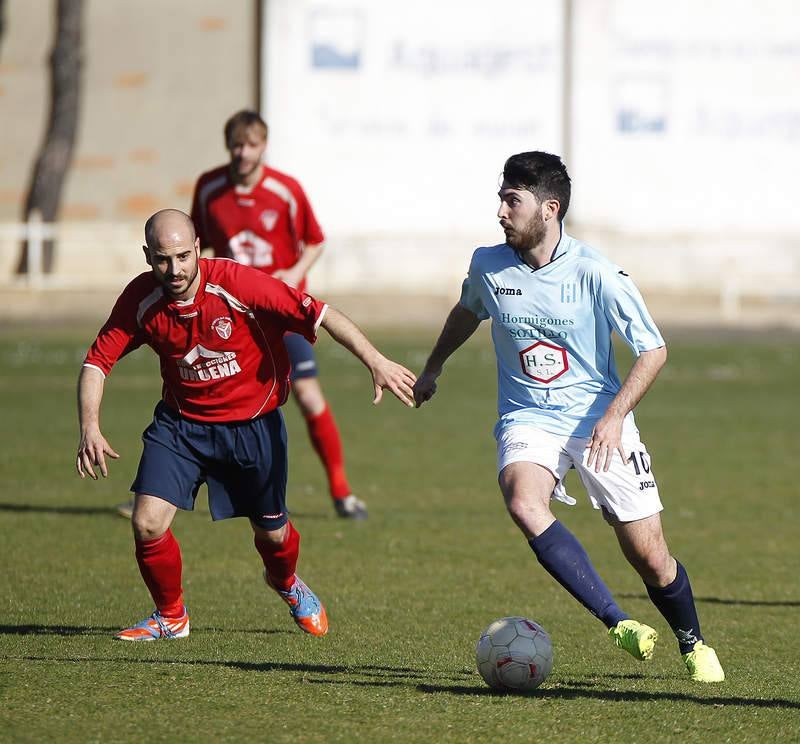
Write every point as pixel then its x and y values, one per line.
pixel 607 434
pixel 93 447
pixel 385 372
pixel 459 326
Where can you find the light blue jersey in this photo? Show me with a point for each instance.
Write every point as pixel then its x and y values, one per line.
pixel 552 330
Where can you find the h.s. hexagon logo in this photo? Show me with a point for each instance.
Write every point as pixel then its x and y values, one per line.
pixel 544 362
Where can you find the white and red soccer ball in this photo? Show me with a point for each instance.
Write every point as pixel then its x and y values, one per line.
pixel 514 653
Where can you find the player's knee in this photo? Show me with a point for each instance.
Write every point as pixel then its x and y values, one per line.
pixel 152 516
pixel 147 527
pixel 274 537
pixel 528 513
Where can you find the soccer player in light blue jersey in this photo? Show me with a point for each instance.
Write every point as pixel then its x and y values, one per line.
pixel 554 303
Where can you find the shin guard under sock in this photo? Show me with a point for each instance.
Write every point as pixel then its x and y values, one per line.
pixel 564 558
pixel 280 560
pixel 161 567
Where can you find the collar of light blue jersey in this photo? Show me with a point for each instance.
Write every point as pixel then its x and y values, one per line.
pixel 562 247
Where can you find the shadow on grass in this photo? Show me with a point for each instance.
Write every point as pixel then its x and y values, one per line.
pixel 57 630
pixel 82 510
pixel 389 676
pixel 575 690
pixel 376 675
pixel 87 630
pixel 735 602
pixel 112 511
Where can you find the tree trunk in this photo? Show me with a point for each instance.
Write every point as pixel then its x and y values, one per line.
pixel 47 180
pixel 2 19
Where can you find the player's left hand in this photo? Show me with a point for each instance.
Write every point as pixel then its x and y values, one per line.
pixel 396 378
pixel 605 440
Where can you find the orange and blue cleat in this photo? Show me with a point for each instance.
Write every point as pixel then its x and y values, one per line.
pixel 156 627
pixel 304 607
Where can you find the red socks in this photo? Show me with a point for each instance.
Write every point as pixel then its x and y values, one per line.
pixel 280 560
pixel 160 565
pixel 328 444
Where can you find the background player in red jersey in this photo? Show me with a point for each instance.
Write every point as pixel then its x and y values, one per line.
pixel 261 217
pixel 218 330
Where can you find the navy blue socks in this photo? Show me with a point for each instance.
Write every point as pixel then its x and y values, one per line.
pixel 564 558
pixel 676 603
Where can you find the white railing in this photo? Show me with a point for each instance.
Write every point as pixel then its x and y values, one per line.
pixel 86 255
pixel 36 232
pixel 716 275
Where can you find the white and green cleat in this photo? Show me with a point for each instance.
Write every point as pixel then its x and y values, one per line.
pixel 638 639
pixel 703 664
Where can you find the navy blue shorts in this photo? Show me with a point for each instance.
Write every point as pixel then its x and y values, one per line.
pixel 301 355
pixel 243 463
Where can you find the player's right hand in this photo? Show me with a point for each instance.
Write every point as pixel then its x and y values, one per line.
pixel 424 388
pixel 92 453
pixel 394 377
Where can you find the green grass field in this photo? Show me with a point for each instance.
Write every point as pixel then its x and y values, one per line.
pixel 409 591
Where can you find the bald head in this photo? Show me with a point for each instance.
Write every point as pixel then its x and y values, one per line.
pixel 168 226
pixel 173 252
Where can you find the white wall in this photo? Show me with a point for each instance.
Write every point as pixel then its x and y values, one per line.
pixel 684 139
pixel 683 142
pixel 397 118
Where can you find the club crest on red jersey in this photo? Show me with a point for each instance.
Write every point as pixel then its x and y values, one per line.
pixel 223 327
pixel 268 218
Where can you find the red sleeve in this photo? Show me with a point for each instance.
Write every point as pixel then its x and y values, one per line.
pixel 302 312
pixel 198 218
pixel 119 336
pixel 276 302
pixel 307 228
pixel 209 234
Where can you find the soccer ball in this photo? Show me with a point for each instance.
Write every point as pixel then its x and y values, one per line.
pixel 514 653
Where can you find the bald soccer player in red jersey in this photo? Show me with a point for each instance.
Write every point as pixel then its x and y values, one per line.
pixel 217 328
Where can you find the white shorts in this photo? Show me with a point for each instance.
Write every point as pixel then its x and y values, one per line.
pixel 627 492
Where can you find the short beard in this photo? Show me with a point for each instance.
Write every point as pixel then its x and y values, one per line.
pixel 188 283
pixel 238 176
pixel 533 234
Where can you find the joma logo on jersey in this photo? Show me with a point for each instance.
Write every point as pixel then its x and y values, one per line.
pixel 507 291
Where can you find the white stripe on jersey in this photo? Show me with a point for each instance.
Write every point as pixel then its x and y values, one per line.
pixel 220 292
pixel 147 303
pixel 201 351
pixel 321 318
pixel 276 187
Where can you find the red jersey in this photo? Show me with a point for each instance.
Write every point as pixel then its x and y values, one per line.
pixel 222 354
pixel 266 225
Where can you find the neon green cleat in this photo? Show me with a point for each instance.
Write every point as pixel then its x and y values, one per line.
pixel 637 639
pixel 703 664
